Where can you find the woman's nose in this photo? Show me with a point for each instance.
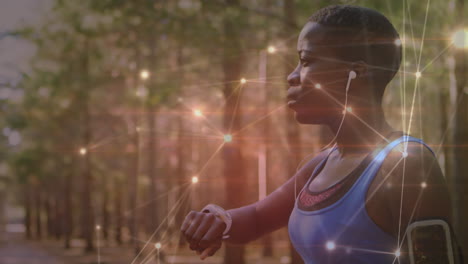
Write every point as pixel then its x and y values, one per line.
pixel 294 78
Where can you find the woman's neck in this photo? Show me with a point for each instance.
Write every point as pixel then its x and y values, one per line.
pixel 361 131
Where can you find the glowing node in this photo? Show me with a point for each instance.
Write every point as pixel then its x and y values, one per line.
pixel 418 74
pixel 460 38
pixel 398 42
pixel 397 253
pixel 98 227
pixel 423 185
pixel 144 74
pixel 194 179
pixel 197 113
pixel 243 81
pixel 349 109
pixel 83 151
pixel 330 245
pixel 141 91
pixel 285 259
pixel 318 86
pixel 404 154
pixel 138 129
pixel 157 245
pixel 227 138
pixel 271 49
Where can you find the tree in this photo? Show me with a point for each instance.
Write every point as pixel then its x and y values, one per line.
pixel 232 151
pixel 460 134
pixel 293 132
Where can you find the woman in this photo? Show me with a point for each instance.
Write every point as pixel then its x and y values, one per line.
pixel 358 197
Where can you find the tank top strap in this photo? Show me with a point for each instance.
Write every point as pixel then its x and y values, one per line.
pixel 369 173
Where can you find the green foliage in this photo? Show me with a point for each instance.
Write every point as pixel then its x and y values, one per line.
pixel 90 54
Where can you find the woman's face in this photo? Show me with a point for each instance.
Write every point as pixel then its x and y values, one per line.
pixel 317 85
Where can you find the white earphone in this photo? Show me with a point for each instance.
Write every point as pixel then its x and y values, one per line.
pixel 351 76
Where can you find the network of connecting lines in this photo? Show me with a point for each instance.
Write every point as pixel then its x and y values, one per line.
pixel 410 39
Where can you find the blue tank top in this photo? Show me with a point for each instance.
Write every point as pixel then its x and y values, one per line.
pixel 343 232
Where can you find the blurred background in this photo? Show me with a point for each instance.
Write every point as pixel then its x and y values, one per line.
pixel 118 117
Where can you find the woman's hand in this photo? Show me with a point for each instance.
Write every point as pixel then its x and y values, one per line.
pixel 204 232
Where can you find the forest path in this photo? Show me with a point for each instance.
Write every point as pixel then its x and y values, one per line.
pixel 15 250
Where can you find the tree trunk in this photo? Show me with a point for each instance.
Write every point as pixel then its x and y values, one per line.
pixel 233 169
pixel 180 177
pixel 133 176
pixel 3 221
pixel 293 132
pixel 265 132
pixel 38 213
pixel 87 223
pixel 267 239
pixel 27 209
pixel 294 142
pixel 118 187
pixel 153 221
pixel 133 191
pixel 460 137
pixel 49 217
pixel 443 100
pixel 67 209
pixel 181 154
pixel 87 208
pixel 105 224
pixel 58 213
pixel 152 146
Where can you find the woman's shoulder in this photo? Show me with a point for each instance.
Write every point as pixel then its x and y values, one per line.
pixel 410 183
pixel 411 155
pixel 410 164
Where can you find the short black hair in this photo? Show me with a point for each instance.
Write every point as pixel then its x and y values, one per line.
pixel 372 31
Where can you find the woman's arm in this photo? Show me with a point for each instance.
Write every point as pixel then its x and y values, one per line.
pixel 419 192
pixel 271 213
pixel 204 231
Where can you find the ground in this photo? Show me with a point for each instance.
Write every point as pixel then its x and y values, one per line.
pixel 17 250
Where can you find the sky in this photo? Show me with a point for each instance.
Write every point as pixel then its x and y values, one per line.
pixel 14 52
